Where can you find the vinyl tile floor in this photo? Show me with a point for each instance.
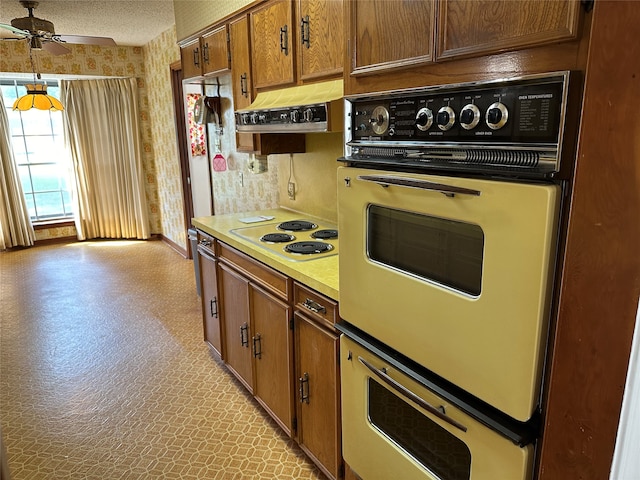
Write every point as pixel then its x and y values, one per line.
pixel 104 373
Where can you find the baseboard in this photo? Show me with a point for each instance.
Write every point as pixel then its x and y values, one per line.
pixel 182 251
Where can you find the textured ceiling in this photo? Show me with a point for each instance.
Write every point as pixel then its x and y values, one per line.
pixel 133 22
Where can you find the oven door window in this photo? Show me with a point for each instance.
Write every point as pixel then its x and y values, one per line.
pixel 428 443
pixel 443 251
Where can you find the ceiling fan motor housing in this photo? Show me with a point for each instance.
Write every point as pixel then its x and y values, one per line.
pixel 33 24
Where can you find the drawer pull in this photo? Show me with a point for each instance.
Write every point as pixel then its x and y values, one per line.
pixel 205 243
pixel 314 306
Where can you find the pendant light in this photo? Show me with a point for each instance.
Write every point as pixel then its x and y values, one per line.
pixel 37 96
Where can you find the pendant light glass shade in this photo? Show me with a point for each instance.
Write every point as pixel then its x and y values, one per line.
pixel 37 97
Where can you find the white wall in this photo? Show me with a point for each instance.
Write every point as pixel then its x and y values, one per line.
pixel 626 457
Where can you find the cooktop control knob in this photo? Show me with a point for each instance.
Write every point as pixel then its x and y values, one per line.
pixel 284 116
pixel 469 116
pixel 262 118
pixel 295 116
pixel 254 118
pixel 446 118
pixel 424 119
pixel 497 115
pixel 245 118
pixel 308 115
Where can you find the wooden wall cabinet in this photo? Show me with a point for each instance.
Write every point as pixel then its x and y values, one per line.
pixel 386 35
pixel 216 56
pixel 206 55
pixel 273 51
pixel 480 27
pixel 390 35
pixel 318 374
pixel 320 38
pixel 191 59
pixel 242 86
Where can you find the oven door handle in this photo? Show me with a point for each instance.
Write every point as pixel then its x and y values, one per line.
pixel 410 395
pixel 447 190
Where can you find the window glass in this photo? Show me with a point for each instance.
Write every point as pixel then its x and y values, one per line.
pixel 443 251
pixel 37 141
pixel 428 443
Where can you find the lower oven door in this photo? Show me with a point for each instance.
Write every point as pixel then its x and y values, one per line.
pixel 454 273
pixel 392 427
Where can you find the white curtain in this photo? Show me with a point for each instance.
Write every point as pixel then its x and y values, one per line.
pixel 15 223
pixel 102 134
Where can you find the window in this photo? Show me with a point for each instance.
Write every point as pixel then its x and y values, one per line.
pixel 43 165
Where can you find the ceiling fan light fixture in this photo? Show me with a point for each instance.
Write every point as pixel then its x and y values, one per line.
pixel 35 43
pixel 37 97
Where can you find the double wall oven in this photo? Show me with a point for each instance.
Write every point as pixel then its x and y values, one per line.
pixel 449 211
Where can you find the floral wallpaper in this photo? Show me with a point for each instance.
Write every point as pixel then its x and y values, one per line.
pixel 96 61
pixel 160 53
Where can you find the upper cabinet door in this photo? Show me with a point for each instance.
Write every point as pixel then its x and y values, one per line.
pixel 320 38
pixel 478 27
pixel 190 56
pixel 215 51
pixel 390 34
pixel 272 36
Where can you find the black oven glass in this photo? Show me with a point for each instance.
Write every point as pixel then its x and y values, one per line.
pixel 435 448
pixel 440 250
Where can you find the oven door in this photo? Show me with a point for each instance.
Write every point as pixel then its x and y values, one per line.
pixel 454 273
pixel 393 427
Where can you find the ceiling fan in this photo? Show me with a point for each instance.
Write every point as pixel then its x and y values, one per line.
pixel 41 34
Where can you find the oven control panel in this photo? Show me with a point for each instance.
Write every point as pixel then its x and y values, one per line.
pixel 479 122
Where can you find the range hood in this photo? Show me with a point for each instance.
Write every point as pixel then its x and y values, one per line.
pixel 315 107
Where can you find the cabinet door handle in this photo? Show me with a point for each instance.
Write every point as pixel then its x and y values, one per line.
pixel 196 57
pixel 205 53
pixel 284 40
pixel 314 306
pixel 244 335
pixel 304 393
pixel 257 346
pixel 243 85
pixel 304 31
pixel 214 303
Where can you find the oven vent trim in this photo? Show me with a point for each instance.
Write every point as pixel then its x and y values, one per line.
pixel 520 433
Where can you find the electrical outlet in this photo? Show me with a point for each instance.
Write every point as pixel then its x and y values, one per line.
pixel 241 179
pixel 291 190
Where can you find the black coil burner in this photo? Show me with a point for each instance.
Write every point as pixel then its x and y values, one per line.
pixel 327 234
pixel 277 238
pixel 308 248
pixel 297 226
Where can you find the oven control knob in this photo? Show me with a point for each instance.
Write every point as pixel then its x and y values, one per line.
pixel 308 115
pixel 497 116
pixel 379 120
pixel 446 118
pixel 469 116
pixel 295 116
pixel 424 119
pixel 284 116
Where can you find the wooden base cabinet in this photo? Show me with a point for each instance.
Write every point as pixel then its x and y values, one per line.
pixel 318 376
pixel 234 289
pixel 210 304
pixel 278 338
pixel 272 345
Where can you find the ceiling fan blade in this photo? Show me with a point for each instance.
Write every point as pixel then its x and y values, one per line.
pixel 14 30
pixel 55 48
pixel 85 40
